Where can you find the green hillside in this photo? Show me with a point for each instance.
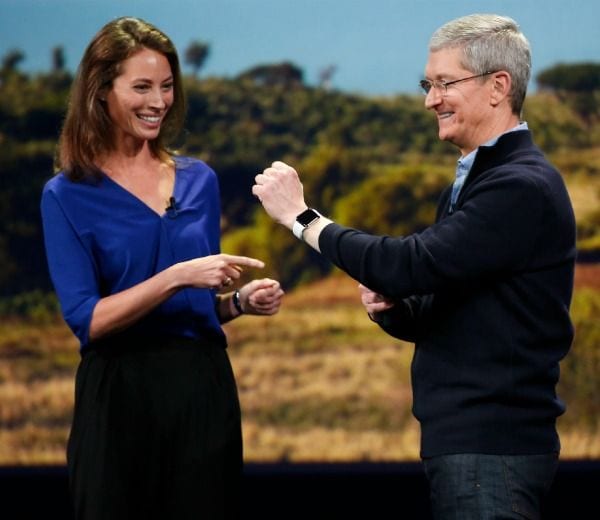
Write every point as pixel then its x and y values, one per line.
pixel 373 163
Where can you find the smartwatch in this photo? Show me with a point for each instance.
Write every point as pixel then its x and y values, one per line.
pixel 304 220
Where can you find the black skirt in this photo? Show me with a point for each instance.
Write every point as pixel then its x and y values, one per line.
pixel 156 432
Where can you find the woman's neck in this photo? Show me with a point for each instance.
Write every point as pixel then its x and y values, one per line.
pixel 126 157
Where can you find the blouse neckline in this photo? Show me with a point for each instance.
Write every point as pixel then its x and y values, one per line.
pixel 133 196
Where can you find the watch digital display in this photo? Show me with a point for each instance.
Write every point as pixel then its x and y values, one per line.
pixel 307 217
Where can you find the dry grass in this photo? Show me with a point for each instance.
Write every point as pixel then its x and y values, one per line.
pixel 579 445
pixel 581 176
pixel 586 199
pixel 271 444
pixel 37 370
pixel 587 275
pixel 317 382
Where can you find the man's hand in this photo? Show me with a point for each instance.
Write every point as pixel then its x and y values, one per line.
pixel 374 302
pixel 281 193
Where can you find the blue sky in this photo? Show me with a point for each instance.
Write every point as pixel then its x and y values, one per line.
pixel 379 47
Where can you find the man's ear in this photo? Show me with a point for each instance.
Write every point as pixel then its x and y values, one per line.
pixel 501 85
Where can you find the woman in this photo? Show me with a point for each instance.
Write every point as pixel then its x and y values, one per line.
pixel 132 240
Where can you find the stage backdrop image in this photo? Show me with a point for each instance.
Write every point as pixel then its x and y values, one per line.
pixel 319 382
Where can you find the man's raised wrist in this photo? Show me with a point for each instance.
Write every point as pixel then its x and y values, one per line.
pixel 303 221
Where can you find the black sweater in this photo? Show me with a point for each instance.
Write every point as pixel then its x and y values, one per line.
pixel 484 294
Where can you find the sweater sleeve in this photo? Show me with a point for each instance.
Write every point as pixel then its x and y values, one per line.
pixel 494 232
pixel 403 320
pixel 71 267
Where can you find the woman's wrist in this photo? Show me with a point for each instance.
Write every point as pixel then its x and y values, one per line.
pixel 226 310
pixel 177 276
pixel 233 304
pixel 237 303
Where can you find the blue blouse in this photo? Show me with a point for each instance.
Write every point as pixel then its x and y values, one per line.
pixel 101 239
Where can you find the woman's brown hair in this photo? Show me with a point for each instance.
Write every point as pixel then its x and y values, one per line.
pixel 87 130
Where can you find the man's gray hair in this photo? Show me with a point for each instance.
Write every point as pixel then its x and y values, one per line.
pixel 489 42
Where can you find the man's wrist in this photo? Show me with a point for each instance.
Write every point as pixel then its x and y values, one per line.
pixel 303 221
pixel 375 317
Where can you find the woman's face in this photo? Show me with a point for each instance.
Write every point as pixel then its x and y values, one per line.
pixel 140 97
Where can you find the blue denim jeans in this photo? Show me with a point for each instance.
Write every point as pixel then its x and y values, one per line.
pixel 474 486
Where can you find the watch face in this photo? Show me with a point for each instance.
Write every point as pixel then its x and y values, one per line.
pixel 307 216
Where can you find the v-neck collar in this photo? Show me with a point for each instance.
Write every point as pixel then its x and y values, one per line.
pixel 133 196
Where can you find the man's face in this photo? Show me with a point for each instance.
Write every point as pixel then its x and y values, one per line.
pixel 463 110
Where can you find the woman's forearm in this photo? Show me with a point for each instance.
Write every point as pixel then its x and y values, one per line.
pixel 120 310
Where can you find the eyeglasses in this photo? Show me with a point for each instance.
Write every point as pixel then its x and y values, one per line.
pixel 426 84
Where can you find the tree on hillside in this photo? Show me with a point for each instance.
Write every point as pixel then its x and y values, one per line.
pixel 284 74
pixel 58 59
pixel 11 60
pixel 577 77
pixel 325 76
pixel 59 79
pixel 578 85
pixel 196 55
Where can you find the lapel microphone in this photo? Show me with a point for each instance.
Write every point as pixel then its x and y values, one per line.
pixel 171 208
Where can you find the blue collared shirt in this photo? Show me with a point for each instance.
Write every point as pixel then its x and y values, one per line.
pixel 464 165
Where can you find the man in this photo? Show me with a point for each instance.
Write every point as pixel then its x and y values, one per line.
pixel 484 293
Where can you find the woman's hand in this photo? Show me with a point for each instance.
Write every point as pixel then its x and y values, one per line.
pixel 373 302
pixel 213 272
pixel 261 297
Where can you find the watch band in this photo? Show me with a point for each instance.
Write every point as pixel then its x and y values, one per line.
pixel 298 229
pixel 303 221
